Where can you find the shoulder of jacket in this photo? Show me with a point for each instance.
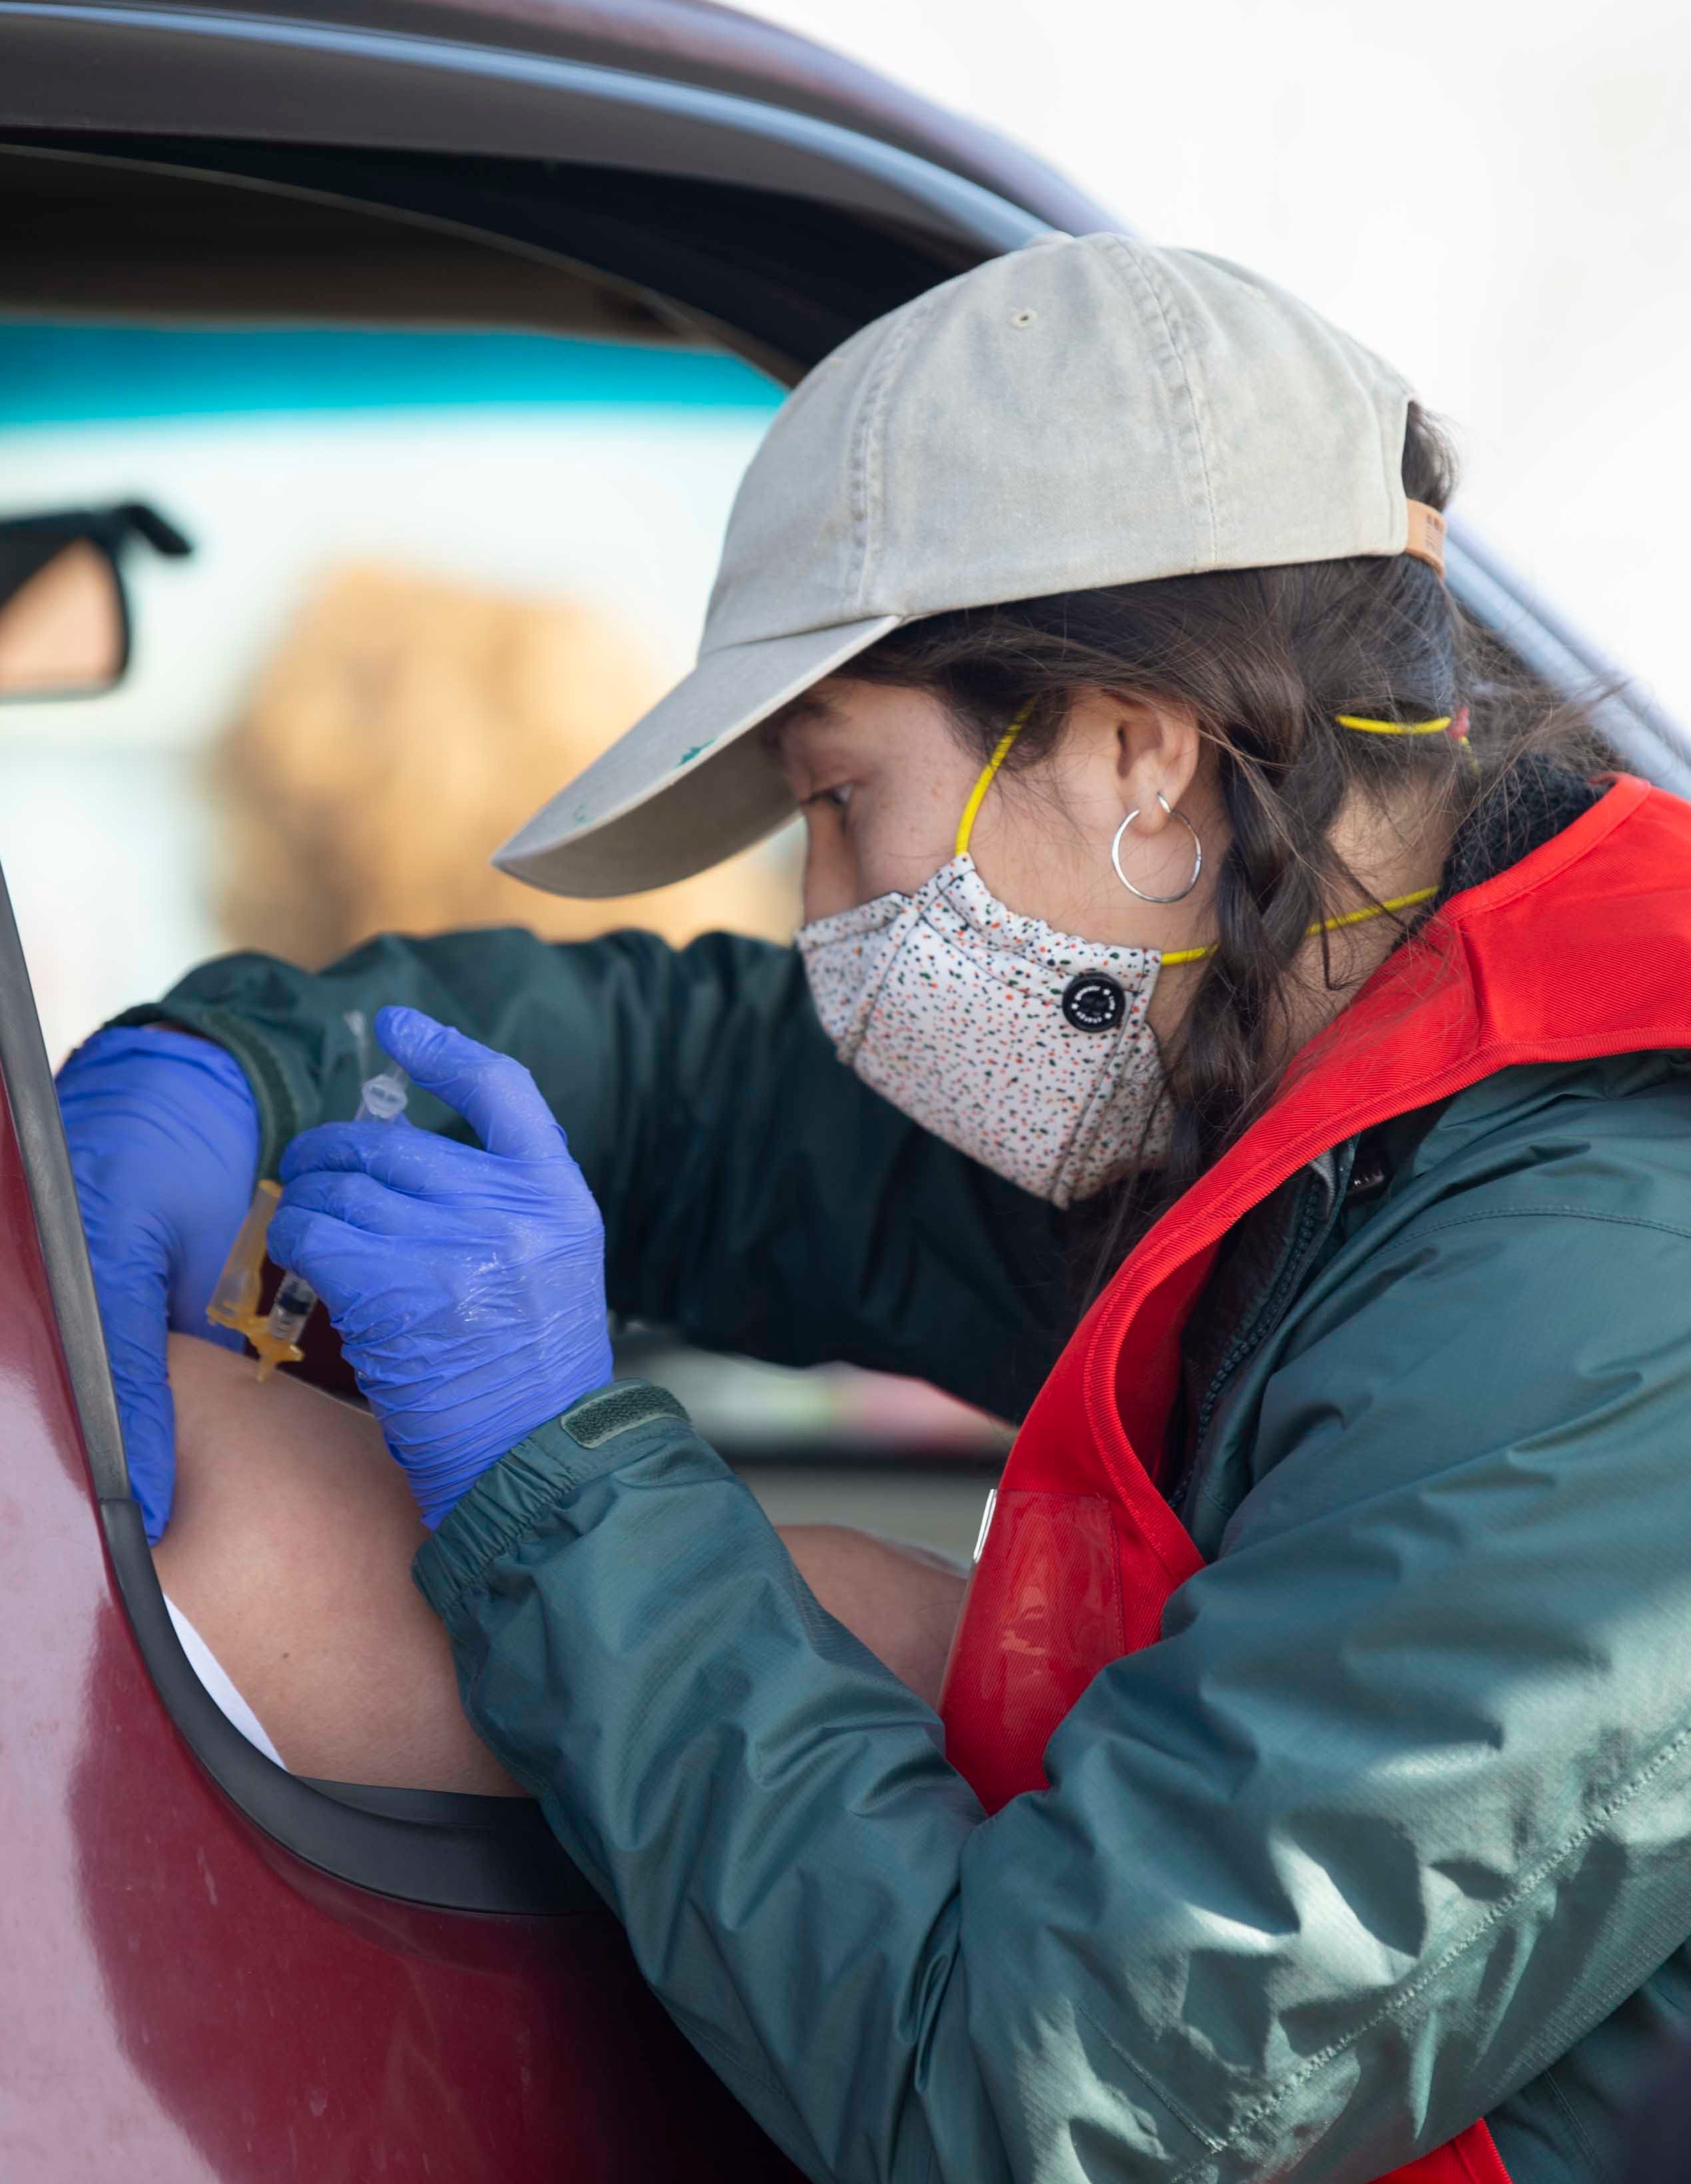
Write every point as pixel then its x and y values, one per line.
pixel 1611 1132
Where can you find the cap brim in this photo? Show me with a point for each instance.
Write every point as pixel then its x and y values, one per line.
pixel 688 784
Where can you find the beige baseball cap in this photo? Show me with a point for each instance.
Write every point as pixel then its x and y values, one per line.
pixel 1080 412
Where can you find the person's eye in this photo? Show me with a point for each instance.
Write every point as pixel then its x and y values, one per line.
pixel 839 796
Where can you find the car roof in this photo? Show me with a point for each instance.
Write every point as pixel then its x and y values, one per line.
pixel 695 42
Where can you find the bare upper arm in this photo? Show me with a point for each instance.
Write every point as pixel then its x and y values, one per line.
pixel 289 1549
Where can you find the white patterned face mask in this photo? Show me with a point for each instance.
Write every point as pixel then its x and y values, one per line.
pixel 1022 1046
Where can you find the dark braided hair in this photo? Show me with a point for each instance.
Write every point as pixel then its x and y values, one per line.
pixel 1267 659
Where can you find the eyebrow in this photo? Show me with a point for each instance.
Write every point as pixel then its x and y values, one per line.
pixel 809 705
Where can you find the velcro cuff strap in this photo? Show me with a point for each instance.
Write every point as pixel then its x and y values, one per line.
pixel 515 1497
pixel 608 1411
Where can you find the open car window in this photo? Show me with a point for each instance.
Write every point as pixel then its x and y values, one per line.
pixel 436 566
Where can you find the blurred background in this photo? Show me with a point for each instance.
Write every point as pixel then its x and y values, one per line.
pixel 434 570
pixel 433 573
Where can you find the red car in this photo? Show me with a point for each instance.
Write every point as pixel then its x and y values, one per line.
pixel 213 1969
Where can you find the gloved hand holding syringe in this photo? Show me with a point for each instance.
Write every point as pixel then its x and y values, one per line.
pixel 235 1301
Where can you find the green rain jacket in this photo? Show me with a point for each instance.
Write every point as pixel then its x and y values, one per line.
pixel 899 1988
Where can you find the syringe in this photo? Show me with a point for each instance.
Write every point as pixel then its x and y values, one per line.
pixel 382 1100
pixel 235 1301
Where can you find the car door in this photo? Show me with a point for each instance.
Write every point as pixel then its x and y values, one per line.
pixel 215 1969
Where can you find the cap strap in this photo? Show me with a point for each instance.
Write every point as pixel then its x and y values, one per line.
pixel 1425 539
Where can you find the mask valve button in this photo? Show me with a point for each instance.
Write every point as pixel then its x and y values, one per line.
pixel 1092 1002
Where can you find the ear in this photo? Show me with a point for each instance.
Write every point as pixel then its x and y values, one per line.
pixel 1157 749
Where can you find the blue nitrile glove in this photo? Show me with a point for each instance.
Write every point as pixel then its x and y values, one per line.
pixel 163 1135
pixel 468 1287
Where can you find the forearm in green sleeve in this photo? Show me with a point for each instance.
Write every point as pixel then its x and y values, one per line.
pixel 643 1051
pixel 757 1196
pixel 771 1815
pixel 563 1010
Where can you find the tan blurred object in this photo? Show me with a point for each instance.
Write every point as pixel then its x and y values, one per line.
pixel 403 728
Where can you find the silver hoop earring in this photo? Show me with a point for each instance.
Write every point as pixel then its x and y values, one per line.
pixel 1196 854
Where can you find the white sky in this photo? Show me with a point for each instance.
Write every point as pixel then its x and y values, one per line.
pixel 1495 195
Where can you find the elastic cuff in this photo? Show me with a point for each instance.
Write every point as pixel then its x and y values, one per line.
pixel 511 1498
pixel 285 1109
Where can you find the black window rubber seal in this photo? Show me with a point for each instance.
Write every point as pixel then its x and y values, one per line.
pixel 452 1852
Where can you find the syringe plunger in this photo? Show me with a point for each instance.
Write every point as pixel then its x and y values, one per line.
pixel 382 1100
pixel 383 1097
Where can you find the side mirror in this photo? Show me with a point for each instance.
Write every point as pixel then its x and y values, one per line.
pixel 64 632
pixel 64 623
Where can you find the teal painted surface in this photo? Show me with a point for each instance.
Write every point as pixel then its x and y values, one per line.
pixel 61 375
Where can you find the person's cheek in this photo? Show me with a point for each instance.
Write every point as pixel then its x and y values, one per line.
pixel 831 865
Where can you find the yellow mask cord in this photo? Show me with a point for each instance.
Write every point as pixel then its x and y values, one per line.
pixel 1394 728
pixel 1326 924
pixel 966 825
pixel 1454 725
pixel 1444 725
